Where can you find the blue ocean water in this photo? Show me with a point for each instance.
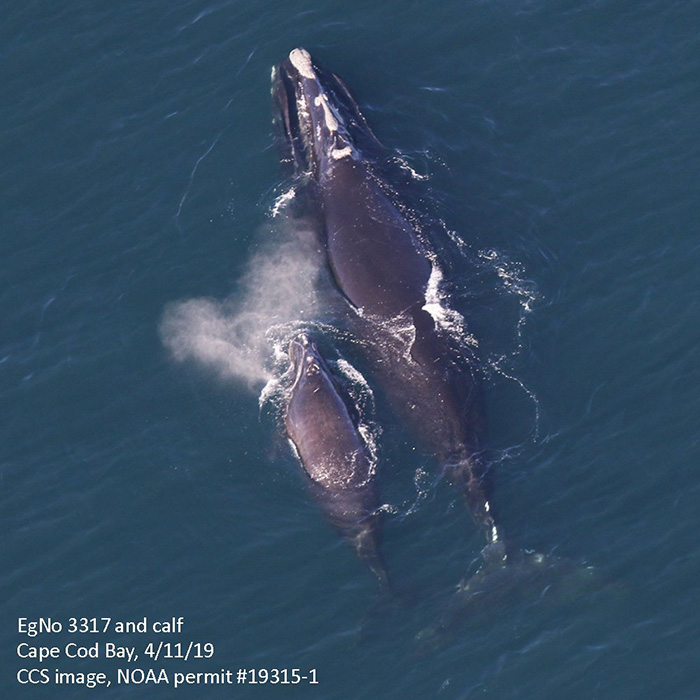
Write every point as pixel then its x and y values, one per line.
pixel 139 171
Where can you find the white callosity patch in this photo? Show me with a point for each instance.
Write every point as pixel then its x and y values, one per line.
pixel 328 116
pixel 338 153
pixel 301 60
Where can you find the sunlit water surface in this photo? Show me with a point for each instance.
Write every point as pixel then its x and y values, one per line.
pixel 148 289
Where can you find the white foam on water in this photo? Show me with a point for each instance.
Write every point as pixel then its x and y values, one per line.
pixel 403 163
pixel 446 318
pixel 362 397
pixel 283 201
pixel 512 276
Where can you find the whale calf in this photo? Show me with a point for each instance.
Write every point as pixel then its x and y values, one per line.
pixel 322 426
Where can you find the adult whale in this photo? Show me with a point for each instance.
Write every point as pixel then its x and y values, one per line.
pixel 388 276
pixel 390 279
pixel 322 426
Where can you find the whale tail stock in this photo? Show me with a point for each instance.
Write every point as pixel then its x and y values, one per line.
pixel 507 576
pixel 365 544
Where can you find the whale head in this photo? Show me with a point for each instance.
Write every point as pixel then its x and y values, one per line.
pixel 305 359
pixel 319 121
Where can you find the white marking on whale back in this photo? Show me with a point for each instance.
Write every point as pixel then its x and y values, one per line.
pixel 301 60
pixel 338 153
pixel 331 121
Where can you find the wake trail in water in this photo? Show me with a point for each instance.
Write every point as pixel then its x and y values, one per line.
pixel 514 283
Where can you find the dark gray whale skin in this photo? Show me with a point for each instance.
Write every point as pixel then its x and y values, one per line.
pixel 323 430
pixel 383 270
